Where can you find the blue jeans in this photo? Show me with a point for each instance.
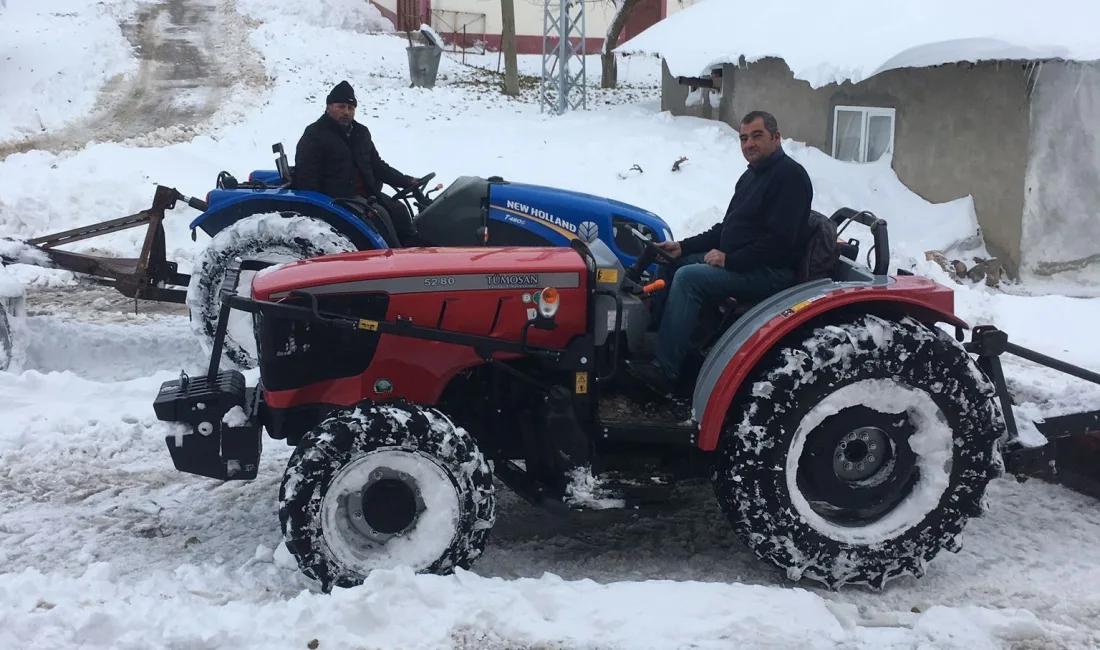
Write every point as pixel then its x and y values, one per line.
pixel 696 283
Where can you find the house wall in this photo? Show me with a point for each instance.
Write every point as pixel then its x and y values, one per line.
pixel 959 130
pixel 529 22
pixel 482 21
pixel 1061 222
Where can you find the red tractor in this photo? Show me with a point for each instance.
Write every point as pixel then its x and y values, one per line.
pixel 848 435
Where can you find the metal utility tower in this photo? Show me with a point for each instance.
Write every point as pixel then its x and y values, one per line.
pixel 562 86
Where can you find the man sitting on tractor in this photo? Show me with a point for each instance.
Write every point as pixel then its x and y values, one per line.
pixel 750 255
pixel 337 157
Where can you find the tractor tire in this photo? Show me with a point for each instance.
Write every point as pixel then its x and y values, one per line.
pixel 284 237
pixel 887 427
pixel 378 486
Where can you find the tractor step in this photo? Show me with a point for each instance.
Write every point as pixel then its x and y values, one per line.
pixel 625 418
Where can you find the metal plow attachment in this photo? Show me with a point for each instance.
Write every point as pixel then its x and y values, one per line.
pixel 1072 455
pixel 147 277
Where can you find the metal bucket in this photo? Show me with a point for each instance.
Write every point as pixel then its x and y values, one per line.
pixel 423 64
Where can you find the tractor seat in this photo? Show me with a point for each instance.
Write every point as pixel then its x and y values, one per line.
pixel 811 267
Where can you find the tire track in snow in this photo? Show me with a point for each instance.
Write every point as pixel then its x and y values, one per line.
pixel 99 334
pixel 194 57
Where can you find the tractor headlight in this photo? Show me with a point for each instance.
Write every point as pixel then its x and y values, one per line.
pixel 548 300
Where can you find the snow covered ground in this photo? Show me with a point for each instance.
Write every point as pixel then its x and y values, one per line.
pixel 103 544
pixel 56 61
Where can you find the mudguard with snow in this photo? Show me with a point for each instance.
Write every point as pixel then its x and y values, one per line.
pixel 228 206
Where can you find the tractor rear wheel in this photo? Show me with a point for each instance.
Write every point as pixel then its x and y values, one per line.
pixel 278 238
pixel 855 453
pixel 383 485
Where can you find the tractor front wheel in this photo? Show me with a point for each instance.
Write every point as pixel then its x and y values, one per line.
pixel 277 238
pixel 378 486
pixel 857 452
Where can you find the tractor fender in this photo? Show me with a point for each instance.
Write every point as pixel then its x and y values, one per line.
pixel 235 205
pixel 768 323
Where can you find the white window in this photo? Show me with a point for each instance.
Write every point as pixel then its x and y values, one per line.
pixel 862 133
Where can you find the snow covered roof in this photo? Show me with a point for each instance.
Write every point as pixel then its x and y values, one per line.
pixel 838 40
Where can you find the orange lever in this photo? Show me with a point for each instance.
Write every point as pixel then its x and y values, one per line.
pixel 656 285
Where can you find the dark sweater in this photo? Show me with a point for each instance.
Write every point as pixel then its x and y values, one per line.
pixel 340 162
pixel 765 220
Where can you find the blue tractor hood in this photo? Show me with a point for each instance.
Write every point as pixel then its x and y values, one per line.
pixel 572 214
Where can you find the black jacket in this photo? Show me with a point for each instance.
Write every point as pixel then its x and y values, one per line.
pixel 328 158
pixel 766 219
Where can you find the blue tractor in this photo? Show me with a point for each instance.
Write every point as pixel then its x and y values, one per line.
pixel 264 219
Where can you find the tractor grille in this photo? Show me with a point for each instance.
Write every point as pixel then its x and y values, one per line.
pixel 295 353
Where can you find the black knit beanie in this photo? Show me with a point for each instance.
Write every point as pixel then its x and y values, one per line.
pixel 341 94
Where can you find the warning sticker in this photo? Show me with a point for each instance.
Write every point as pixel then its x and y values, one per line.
pixel 607 276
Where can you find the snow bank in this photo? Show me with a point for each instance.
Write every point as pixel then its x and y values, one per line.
pixel 915 224
pixel 54 59
pixel 396 609
pixel 10 286
pixel 830 42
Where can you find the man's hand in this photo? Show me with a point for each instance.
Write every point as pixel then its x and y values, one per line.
pixel 410 181
pixel 670 247
pixel 716 258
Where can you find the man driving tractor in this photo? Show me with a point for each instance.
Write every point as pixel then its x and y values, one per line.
pixel 337 157
pixel 750 255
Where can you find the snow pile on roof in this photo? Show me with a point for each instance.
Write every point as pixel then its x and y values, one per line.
pixel 825 42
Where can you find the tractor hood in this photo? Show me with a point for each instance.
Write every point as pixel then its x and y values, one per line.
pixel 414 270
pixel 571 213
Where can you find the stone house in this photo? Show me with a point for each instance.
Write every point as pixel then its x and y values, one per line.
pixel 1004 122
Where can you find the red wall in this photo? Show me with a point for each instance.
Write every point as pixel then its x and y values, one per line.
pixel 646 14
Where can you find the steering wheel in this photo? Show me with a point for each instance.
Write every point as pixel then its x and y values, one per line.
pixel 417 188
pixel 651 252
